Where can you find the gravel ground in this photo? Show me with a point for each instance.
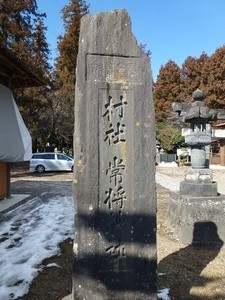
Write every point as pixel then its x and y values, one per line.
pixel 189 272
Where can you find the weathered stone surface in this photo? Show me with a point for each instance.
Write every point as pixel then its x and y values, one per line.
pixel 114 181
pixel 198 210
pixel 198 175
pixel 186 213
pixel 198 189
pixel 196 138
pixel 199 117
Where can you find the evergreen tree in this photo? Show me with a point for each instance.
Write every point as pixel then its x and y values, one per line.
pixel 178 84
pixel 66 64
pixel 167 89
pixel 22 31
pixel 18 21
pixel 214 79
pixel 68 43
pixel 41 52
pixel 191 75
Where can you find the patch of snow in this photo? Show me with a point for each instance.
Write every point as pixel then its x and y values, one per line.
pixel 31 233
pixel 52 265
pixel 163 294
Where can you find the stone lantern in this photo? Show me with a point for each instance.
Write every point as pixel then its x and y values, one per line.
pixel 198 202
pixel 198 181
pixel 199 118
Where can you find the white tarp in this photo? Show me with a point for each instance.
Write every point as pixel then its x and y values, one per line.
pixel 15 140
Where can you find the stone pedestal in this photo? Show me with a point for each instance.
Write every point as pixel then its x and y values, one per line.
pixel 186 213
pixel 197 206
pixel 198 190
pixel 198 183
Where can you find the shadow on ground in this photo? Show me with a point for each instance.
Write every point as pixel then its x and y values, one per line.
pixel 181 271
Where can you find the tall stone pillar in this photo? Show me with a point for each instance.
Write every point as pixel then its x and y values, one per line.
pixel 114 176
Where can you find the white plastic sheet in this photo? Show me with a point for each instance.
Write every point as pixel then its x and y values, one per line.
pixel 15 140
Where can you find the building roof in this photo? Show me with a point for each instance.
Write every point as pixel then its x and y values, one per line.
pixel 219 124
pixel 15 74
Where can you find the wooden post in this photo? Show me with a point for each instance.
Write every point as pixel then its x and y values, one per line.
pixel 222 152
pixel 4 180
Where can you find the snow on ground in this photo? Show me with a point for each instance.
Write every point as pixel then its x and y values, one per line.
pixel 163 294
pixel 31 233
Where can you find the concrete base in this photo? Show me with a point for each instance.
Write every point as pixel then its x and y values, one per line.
pixel 193 189
pixel 12 202
pixel 197 219
pixel 198 183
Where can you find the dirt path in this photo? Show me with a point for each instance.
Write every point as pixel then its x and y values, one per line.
pixel 188 272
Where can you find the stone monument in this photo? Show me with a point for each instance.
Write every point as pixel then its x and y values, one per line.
pixel 198 200
pixel 114 176
pixel 199 180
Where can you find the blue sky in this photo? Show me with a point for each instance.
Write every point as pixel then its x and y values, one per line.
pixel 170 29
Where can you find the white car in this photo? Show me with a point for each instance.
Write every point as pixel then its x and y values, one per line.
pixel 51 161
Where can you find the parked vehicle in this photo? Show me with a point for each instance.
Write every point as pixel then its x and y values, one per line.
pixel 50 161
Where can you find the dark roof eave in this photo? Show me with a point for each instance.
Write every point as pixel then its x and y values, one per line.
pixel 14 73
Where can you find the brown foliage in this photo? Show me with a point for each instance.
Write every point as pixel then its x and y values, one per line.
pixel 23 32
pixel 66 63
pixel 68 43
pixel 214 79
pixel 191 75
pixel 167 88
pixel 178 84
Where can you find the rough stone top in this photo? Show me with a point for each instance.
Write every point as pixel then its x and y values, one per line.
pixel 109 52
pixel 198 95
pixel 108 33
